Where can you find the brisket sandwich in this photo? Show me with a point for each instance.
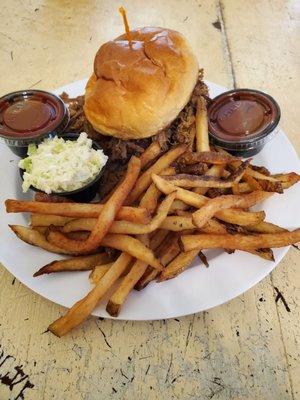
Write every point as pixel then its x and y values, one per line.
pixel 141 90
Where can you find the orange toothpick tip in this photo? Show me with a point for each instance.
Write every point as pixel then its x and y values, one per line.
pixel 122 11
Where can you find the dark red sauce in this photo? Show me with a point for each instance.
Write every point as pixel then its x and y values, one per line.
pixel 239 114
pixel 30 114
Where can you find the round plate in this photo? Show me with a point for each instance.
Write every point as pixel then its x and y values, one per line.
pixel 197 289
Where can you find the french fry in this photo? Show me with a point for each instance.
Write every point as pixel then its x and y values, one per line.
pixel 202 141
pixel 287 180
pixel 151 196
pixel 265 227
pixel 75 210
pixel 83 308
pixel 157 237
pixel 271 186
pixel 162 163
pixel 46 220
pixel 239 242
pixel 259 176
pixel 253 183
pixel 266 254
pixel 35 238
pixel 178 265
pixel 167 251
pixel 192 137
pixel 77 235
pixel 127 284
pixel 217 204
pixel 210 157
pixel 98 272
pixel 134 247
pixel 124 243
pixel 240 217
pixel 41 229
pixel 197 200
pixel 215 171
pixel 175 223
pixel 150 153
pixel 194 169
pixel 108 213
pixel 82 263
pixel 262 170
pixel 178 205
pixel 206 181
pixel 125 227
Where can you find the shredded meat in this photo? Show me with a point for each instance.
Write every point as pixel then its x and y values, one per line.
pixel 119 151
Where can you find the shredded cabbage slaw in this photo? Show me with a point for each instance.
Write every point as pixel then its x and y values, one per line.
pixel 57 165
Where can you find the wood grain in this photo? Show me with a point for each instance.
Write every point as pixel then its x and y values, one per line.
pixel 245 349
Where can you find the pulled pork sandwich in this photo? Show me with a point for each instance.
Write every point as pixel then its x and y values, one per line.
pixel 141 89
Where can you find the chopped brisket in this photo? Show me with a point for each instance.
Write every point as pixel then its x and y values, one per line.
pixel 119 151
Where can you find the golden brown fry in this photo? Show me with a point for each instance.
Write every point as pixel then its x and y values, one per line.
pixel 288 179
pixel 197 200
pixel 206 181
pixel 83 308
pixel 265 227
pixel 202 140
pixel 240 217
pixel 150 198
pixel 192 136
pixel 157 237
pixel 108 213
pixel 167 251
pixel 217 204
pixel 40 229
pixel 178 265
pixel 134 247
pixel 150 153
pixel 215 171
pixel 175 223
pixel 46 220
pixel 144 180
pixel 240 242
pixel 98 272
pixel 266 254
pixel 258 175
pixel 262 170
pixel 210 157
pixel 31 236
pixel 121 293
pixel 82 263
pixel 124 243
pixel 126 227
pixel 178 205
pixel 194 169
pixel 254 185
pixel 78 235
pixel 75 210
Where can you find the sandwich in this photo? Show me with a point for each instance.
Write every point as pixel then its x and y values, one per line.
pixel 143 88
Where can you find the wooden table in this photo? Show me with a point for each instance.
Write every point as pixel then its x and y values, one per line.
pixel 245 349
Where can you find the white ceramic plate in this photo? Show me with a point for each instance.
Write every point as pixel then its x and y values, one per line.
pixel 197 289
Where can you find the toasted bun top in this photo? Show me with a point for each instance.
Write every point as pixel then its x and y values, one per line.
pixel 135 91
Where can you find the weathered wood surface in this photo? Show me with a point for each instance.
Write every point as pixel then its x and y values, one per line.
pixel 245 349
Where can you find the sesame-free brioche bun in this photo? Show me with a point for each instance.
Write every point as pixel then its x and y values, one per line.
pixel 135 91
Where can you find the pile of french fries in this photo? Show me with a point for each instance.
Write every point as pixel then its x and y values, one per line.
pixel 158 220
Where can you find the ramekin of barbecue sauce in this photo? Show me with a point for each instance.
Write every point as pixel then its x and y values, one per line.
pixel 29 116
pixel 242 121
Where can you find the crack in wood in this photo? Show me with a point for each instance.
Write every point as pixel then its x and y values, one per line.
pixel 221 18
